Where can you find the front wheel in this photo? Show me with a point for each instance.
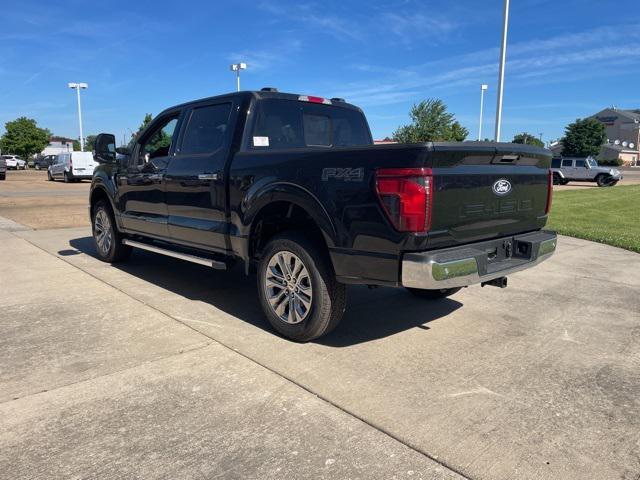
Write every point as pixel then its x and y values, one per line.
pixel 604 181
pixel 108 240
pixel 297 288
pixel 49 176
pixel 434 294
pixel 37 167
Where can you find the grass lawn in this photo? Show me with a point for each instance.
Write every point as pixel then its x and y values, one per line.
pixel 605 215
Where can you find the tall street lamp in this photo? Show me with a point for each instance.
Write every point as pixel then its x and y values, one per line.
pixel 503 58
pixel 78 87
pixel 236 67
pixel 483 88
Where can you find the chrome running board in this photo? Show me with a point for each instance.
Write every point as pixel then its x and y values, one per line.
pixel 207 262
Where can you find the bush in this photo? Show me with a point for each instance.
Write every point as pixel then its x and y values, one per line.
pixel 615 162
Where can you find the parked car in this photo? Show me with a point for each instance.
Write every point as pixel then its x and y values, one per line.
pixel 3 168
pixel 14 162
pixel 292 187
pixel 72 167
pixel 43 162
pixel 567 170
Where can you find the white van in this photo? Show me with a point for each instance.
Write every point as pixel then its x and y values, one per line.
pixel 72 166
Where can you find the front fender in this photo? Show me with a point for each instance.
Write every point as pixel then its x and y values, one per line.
pixel 104 181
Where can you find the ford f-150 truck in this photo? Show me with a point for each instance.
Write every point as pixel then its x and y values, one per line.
pixel 293 188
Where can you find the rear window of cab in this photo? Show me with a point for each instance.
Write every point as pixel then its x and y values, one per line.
pixel 285 124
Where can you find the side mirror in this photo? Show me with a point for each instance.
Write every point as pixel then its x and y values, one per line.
pixel 105 148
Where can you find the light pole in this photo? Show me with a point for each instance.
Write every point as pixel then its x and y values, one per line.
pixel 77 87
pixel 236 67
pixel 483 88
pixel 503 58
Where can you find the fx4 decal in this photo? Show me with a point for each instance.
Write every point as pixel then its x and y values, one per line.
pixel 344 174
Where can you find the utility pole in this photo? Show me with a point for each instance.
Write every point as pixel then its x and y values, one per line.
pixel 483 88
pixel 236 67
pixel 503 58
pixel 77 87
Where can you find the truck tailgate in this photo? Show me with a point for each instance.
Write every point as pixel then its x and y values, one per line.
pixel 487 190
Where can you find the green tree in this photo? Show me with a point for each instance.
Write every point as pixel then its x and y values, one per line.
pixel 147 120
pixel 431 122
pixel 24 138
pixel 528 139
pixel 583 138
pixel 89 143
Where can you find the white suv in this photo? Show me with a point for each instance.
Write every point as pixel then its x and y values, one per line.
pixel 14 162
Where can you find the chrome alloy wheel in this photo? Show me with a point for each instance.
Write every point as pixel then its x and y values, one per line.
pixel 102 231
pixel 287 285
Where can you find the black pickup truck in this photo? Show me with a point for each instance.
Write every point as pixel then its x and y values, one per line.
pixel 292 187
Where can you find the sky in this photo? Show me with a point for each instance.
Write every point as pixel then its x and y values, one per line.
pixel 566 59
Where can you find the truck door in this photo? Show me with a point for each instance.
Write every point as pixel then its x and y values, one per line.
pixel 195 182
pixel 581 170
pixel 141 190
pixel 568 168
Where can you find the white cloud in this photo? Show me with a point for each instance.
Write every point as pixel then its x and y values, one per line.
pixel 562 58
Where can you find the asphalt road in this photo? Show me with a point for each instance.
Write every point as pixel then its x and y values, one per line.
pixel 158 368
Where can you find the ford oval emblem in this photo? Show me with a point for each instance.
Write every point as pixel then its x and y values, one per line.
pixel 502 187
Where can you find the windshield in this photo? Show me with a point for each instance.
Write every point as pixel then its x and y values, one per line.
pixel 592 162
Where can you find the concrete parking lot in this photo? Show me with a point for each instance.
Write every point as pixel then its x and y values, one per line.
pixel 162 369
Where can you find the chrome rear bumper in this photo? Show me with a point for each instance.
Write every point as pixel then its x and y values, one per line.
pixel 477 262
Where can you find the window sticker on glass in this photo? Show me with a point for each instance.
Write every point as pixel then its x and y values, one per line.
pixel 260 141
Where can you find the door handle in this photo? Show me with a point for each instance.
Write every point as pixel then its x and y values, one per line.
pixel 208 176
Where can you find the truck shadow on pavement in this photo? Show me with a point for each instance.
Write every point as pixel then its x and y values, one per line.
pixel 370 315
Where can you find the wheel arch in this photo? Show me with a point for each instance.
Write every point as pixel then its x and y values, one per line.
pixel 283 207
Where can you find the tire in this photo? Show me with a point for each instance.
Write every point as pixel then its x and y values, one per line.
pixel 318 299
pixel 107 239
pixel 3 176
pixel 434 294
pixel 556 179
pixel 66 177
pixel 564 181
pixel 37 167
pixel 49 176
pixel 603 180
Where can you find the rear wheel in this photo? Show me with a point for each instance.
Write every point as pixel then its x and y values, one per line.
pixel 66 177
pixel 434 294
pixel 36 166
pixel 557 180
pixel 107 239
pixel 297 289
pixel 3 176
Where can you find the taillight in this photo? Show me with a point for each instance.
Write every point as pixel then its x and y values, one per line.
pixel 406 195
pixel 549 191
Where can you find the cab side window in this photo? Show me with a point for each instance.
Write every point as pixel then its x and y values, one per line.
pixel 580 164
pixel 206 129
pixel 158 142
pixel 567 163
